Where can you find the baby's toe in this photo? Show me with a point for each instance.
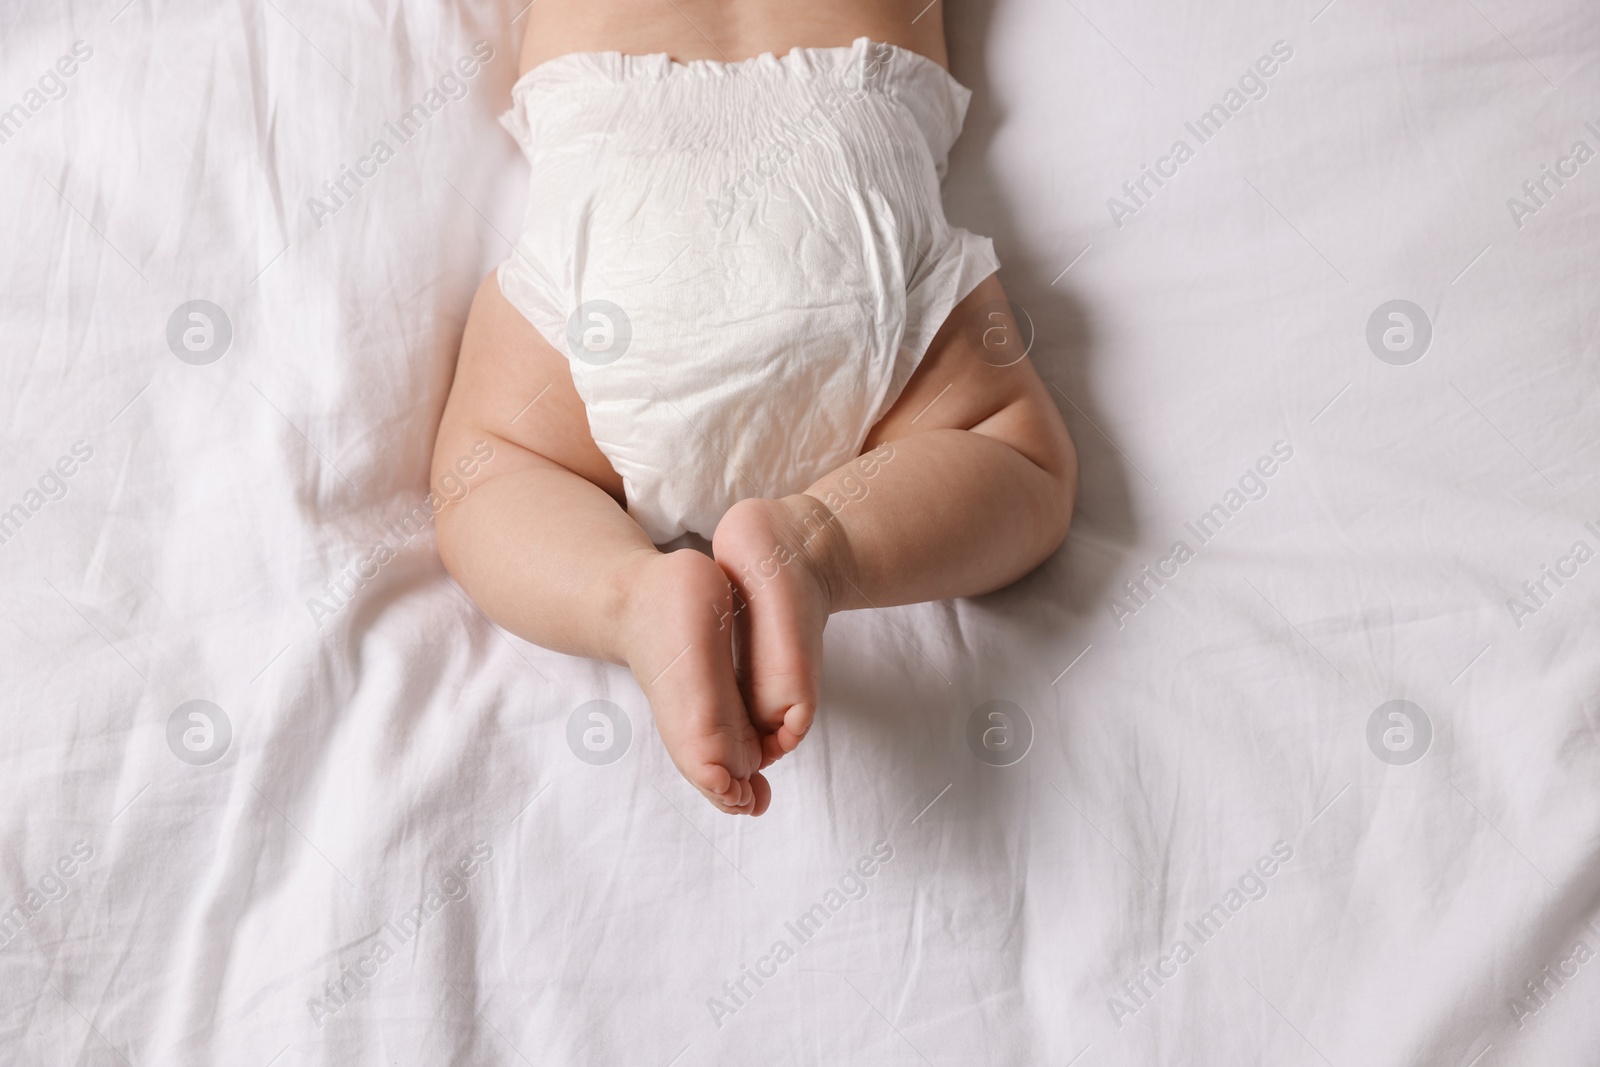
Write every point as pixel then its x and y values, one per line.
pixel 714 779
pixel 761 793
pixel 738 799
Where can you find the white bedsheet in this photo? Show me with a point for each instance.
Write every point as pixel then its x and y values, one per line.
pixel 380 744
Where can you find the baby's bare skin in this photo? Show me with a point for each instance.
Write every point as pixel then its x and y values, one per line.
pixel 965 485
pixel 727 30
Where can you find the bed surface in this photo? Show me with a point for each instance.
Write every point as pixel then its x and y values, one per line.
pixel 1299 755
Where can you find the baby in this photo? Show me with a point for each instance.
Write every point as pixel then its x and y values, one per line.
pixel 737 320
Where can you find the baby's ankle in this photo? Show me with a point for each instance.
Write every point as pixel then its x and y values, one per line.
pixel 633 593
pixel 824 546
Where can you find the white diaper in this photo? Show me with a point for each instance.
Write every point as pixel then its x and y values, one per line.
pixel 743 261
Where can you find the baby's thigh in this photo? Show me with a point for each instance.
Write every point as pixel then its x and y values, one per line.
pixel 975 377
pixel 510 383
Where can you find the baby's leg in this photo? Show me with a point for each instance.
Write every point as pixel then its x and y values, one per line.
pixel 965 485
pixel 541 542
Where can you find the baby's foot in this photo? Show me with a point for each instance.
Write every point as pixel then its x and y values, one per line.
pixel 779 554
pixel 680 649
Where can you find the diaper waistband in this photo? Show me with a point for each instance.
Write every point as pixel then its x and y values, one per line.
pixel 929 92
pixel 798 61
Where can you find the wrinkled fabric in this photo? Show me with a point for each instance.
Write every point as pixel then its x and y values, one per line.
pixel 189 527
pixel 744 262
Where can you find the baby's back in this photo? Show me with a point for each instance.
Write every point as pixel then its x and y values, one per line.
pixel 727 30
